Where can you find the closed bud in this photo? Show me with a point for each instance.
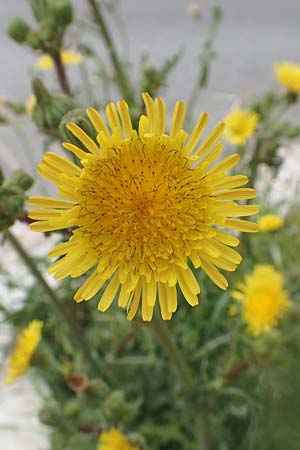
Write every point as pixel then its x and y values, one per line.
pixel 34 40
pixel 12 201
pixel 18 30
pixel 116 408
pixel 51 415
pixel 48 30
pixel 21 179
pixel 99 388
pixel 62 12
pixel 49 108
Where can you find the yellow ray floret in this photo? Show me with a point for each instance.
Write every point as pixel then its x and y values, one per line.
pixel 25 346
pixel 144 207
pixel 263 299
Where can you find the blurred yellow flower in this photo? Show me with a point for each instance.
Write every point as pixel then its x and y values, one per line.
pixel 270 222
pixel 114 440
pixel 240 125
pixel 142 204
pixel 263 299
pixel 25 346
pixel 45 62
pixel 30 104
pixel 288 75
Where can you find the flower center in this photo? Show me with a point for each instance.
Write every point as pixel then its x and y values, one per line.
pixel 141 201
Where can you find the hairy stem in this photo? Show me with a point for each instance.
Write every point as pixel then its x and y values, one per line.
pixel 122 79
pixel 73 327
pixel 177 360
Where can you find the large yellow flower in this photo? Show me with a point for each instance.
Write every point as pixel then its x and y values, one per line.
pixel 288 75
pixel 114 440
pixel 240 125
pixel 270 222
pixel 263 299
pixel 45 62
pixel 25 346
pixel 144 206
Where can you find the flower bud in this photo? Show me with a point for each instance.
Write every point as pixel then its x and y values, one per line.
pixel 34 40
pixel 48 30
pixel 12 201
pixel 21 179
pixel 62 12
pixel 49 108
pixel 18 30
pixel 50 415
pixel 116 408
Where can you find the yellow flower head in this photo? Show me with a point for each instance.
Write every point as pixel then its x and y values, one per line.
pixel 270 222
pixel 263 299
pixel 30 104
pixel 45 62
pixel 288 75
pixel 240 125
pixel 144 205
pixel 114 440
pixel 27 341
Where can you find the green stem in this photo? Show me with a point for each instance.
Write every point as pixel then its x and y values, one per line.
pixel 180 366
pixel 74 329
pixel 177 360
pixel 121 75
pixel 202 433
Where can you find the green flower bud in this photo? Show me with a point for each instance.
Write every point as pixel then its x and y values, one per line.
pixel 99 389
pixel 49 108
pixel 12 201
pixel 18 30
pixel 62 12
pixel 34 40
pixel 79 117
pixel 50 415
pixel 116 408
pixel 72 409
pixel 39 9
pixel 21 179
pixel 48 30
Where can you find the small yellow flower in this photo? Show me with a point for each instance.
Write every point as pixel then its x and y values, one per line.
pixel 114 440
pixel 288 75
pixel 143 204
pixel 240 125
pixel 263 299
pixel 270 222
pixel 30 104
pixel 25 346
pixel 45 62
